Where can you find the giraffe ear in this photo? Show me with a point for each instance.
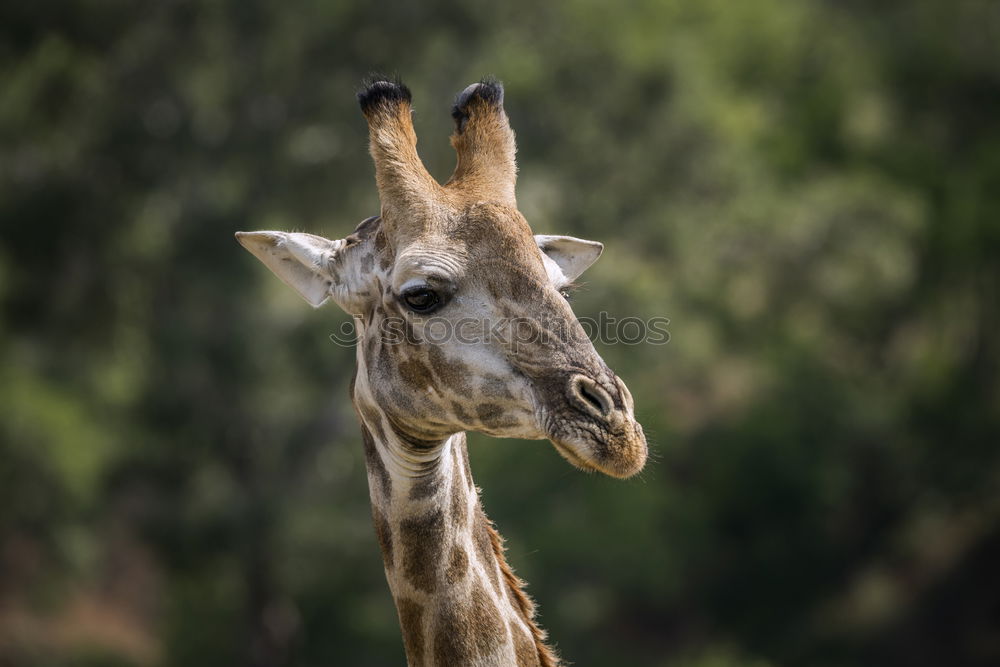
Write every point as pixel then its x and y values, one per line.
pixel 302 261
pixel 572 255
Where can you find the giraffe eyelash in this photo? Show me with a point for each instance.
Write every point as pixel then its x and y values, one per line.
pixel 567 290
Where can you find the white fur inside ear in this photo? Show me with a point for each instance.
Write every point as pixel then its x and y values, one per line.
pixel 300 260
pixel 569 255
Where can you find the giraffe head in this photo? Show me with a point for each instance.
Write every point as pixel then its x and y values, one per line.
pixel 462 315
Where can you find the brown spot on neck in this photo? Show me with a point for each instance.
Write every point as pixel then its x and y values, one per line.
pixel 384 535
pixel 458 565
pixel 466 632
pixel 422 541
pixel 411 616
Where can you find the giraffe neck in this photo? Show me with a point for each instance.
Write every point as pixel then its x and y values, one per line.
pixel 459 603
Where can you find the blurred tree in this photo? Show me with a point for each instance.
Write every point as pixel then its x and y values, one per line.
pixel 810 191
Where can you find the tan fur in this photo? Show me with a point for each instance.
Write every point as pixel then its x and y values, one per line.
pixel 486 166
pixel 403 183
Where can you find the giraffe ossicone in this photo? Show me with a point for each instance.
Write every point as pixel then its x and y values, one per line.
pixel 458 255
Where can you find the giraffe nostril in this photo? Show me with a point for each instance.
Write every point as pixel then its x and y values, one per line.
pixel 589 396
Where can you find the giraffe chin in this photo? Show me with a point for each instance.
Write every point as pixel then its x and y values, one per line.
pixel 621 457
pixel 568 452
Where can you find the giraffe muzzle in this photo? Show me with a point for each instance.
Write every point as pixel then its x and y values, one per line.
pixel 599 432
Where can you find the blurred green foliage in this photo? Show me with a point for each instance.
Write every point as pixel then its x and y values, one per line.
pixel 809 190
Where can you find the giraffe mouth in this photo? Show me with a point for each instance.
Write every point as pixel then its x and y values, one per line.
pixel 616 455
pixel 568 452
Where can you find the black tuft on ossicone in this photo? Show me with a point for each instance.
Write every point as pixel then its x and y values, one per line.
pixel 378 90
pixel 489 90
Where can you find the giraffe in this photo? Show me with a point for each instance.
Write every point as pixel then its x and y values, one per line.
pixel 462 325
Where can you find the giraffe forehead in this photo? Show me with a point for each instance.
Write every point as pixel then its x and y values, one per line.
pixel 498 251
pixel 430 261
pixel 508 262
pixel 494 227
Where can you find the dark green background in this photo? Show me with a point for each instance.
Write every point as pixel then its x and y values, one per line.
pixel 809 190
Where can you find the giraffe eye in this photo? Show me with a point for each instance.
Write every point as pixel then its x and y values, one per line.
pixel 421 299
